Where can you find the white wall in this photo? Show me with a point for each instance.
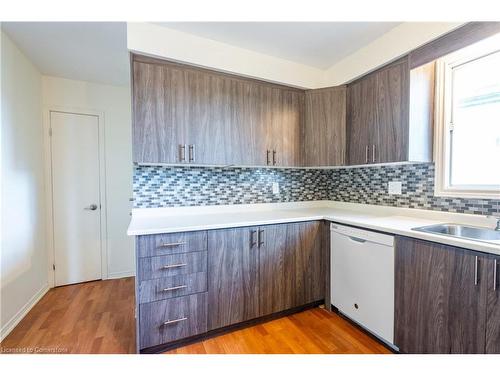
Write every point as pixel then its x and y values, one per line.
pixel 155 40
pixel 24 277
pixel 395 43
pixel 114 101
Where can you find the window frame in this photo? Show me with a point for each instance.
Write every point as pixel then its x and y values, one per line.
pixel 442 120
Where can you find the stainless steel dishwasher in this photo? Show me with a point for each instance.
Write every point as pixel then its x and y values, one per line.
pixel 362 278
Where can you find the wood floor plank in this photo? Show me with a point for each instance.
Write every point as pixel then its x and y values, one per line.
pixel 98 317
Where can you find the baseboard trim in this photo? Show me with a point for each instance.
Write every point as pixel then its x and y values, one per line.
pixel 119 275
pixel 14 321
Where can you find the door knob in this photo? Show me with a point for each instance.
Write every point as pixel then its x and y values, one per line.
pixel 92 207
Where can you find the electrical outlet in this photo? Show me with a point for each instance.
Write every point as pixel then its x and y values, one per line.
pixel 395 187
pixel 276 188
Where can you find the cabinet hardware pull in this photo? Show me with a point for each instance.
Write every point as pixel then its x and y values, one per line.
pixel 373 153
pixel 172 244
pixel 174 288
pixel 475 271
pixel 342 157
pixel 274 157
pixel 252 241
pixel 366 154
pixel 173 321
pixel 267 157
pixel 261 235
pixel 191 153
pixel 168 266
pixel 495 275
pixel 182 152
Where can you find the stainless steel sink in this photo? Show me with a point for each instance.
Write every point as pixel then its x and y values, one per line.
pixel 463 231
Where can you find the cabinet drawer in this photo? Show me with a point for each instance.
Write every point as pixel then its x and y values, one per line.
pixel 171 265
pixel 172 319
pixel 171 243
pixel 173 286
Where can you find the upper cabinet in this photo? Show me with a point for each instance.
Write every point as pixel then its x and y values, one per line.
pixel 379 129
pixel 324 127
pixel 187 115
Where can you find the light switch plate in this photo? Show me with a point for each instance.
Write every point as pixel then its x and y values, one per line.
pixel 276 188
pixel 395 187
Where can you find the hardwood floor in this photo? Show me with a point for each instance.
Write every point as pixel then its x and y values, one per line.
pixel 314 331
pixel 98 317
pixel 93 317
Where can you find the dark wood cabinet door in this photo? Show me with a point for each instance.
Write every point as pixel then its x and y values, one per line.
pixel 392 113
pixel 439 307
pixel 361 123
pixel 289 134
pixel 324 141
pixel 309 282
pixel 233 284
pixel 158 127
pixel 493 306
pixel 276 270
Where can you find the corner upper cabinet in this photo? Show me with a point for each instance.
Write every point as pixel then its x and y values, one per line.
pixel 380 126
pixel 187 115
pixel 325 127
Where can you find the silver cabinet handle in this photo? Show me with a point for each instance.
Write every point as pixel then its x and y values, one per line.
pixel 191 153
pixel 182 153
pixel 261 237
pixel 174 321
pixel 495 275
pixel 267 157
pixel 475 271
pixel 169 266
pixel 373 153
pixel 274 157
pixel 366 154
pixel 174 288
pixel 92 207
pixel 252 241
pixel 172 244
pixel 342 157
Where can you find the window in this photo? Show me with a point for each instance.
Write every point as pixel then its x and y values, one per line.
pixel 468 122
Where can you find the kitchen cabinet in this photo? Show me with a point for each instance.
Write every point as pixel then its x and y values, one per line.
pixel 276 269
pixel 493 306
pixel 325 127
pixel 379 129
pixel 361 124
pixel 233 267
pixel 187 115
pixel 258 271
pixel 441 295
pixel 291 266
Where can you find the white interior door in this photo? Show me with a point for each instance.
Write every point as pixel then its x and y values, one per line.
pixel 75 197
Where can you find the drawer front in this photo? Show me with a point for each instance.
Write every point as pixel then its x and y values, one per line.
pixel 171 265
pixel 173 286
pixel 171 243
pixel 172 319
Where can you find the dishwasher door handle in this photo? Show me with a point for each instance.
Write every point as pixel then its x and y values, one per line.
pixel 356 239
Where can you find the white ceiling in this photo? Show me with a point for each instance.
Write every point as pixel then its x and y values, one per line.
pixel 97 51
pixel 87 51
pixel 317 44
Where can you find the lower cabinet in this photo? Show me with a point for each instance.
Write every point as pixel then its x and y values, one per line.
pixel 201 281
pixel 259 271
pixel 493 306
pixel 446 299
pixel 233 284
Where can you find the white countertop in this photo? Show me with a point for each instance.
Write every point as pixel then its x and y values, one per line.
pixel 380 218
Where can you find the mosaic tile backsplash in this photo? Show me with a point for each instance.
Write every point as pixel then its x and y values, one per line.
pixel 159 186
